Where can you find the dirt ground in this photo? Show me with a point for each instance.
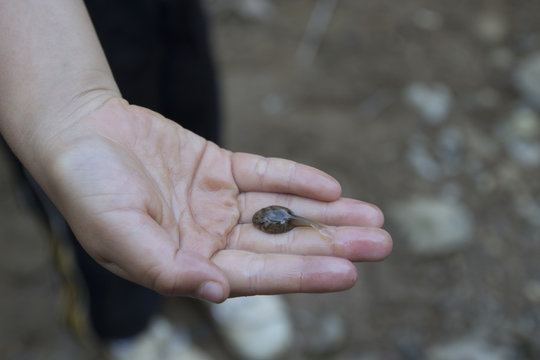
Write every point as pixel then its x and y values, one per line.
pixel 344 109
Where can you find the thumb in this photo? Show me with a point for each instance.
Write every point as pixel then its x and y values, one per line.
pixel 140 250
pixel 190 274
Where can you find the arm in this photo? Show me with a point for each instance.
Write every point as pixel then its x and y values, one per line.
pixel 149 200
pixel 52 72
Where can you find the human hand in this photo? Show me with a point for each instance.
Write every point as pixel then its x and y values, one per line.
pixel 161 206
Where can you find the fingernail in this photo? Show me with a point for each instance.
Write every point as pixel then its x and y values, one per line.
pixel 211 291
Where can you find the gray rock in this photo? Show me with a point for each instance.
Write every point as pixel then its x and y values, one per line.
pixel 531 291
pixel 327 336
pixel 472 347
pixel 520 136
pixel 527 79
pixel 433 226
pixel 255 327
pixel 524 152
pixel 433 101
pixel 528 208
pixel 524 123
pixel 492 27
pixel 421 160
pixel 449 149
pixel 427 19
pixel 445 159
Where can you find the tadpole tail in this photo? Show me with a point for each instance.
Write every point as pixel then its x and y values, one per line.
pixel 322 229
pixel 302 221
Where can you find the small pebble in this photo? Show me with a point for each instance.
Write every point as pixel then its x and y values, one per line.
pixel 433 101
pixel 433 226
pixel 527 79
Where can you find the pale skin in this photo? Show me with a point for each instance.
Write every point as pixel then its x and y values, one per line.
pixel 151 201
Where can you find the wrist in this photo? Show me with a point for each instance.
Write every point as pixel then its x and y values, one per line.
pixel 39 132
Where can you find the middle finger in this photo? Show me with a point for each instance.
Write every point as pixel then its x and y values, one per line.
pixel 341 212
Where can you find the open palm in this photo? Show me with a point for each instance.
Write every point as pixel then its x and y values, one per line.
pixel 161 206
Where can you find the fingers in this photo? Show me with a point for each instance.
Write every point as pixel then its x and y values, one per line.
pixel 260 174
pixel 251 274
pixel 353 233
pixel 342 212
pixel 352 243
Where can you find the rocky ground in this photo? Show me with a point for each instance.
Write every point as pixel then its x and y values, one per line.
pixel 429 109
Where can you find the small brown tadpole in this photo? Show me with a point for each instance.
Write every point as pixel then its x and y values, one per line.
pixel 277 219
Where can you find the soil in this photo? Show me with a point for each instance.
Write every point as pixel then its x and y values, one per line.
pixel 344 112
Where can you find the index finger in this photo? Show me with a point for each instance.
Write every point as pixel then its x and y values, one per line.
pixel 254 173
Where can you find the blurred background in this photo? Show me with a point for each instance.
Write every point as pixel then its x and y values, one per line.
pixel 427 108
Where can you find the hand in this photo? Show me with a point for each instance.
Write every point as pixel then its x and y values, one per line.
pixel 161 206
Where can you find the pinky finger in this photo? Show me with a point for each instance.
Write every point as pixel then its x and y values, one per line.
pixel 264 274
